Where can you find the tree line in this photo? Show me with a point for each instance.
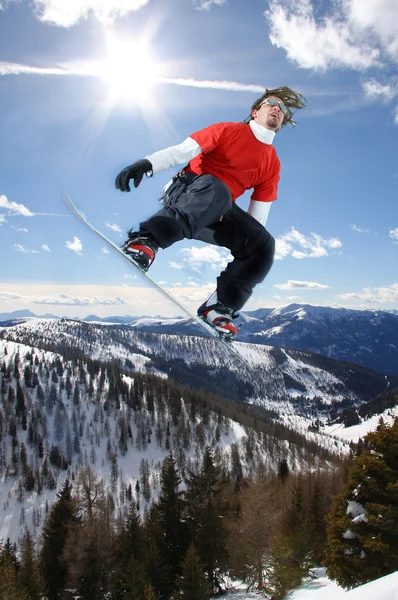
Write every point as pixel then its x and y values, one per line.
pixel 267 530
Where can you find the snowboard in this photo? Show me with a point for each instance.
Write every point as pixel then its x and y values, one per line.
pixel 77 213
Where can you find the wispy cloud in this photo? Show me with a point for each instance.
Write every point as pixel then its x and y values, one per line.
pixel 175 265
pixel 95 69
pixel 197 257
pixel 20 229
pixel 75 245
pixel 310 246
pixel 358 229
pixel 21 248
pixel 14 208
pixel 394 235
pixel 45 248
pixel 113 227
pixel 229 86
pixel 197 294
pixel 208 4
pixel 62 299
pixel 301 285
pixel 65 14
pixel 381 295
pixel 376 90
pixel 9 68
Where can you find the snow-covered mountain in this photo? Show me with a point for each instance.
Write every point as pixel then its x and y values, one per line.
pixel 63 411
pixel 289 385
pixel 366 337
pixel 76 394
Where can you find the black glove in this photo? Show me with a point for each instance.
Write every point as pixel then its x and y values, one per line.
pixel 135 171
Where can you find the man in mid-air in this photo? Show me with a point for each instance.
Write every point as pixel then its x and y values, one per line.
pixel 221 162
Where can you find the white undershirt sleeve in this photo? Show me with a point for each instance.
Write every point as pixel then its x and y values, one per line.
pixel 174 155
pixel 259 210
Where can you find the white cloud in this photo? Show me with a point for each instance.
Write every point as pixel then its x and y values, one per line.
pixel 45 247
pixel 376 90
pixel 358 229
pixel 75 245
pixel 114 227
pixel 311 246
pixel 2 220
pixel 301 285
pixel 7 68
pixel 65 14
pixel 330 41
pixel 21 248
pixel 14 208
pixel 196 257
pixel 228 86
pixel 175 265
pixel 207 4
pixel 95 69
pixel 356 34
pixel 62 299
pixel 197 294
pixel 375 19
pixel 394 234
pixel 105 250
pixel 381 295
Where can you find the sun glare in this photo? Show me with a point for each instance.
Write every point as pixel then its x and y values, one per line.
pixel 128 69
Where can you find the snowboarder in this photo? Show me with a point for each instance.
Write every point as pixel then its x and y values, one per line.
pixel 222 162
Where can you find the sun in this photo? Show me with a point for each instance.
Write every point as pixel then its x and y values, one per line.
pixel 128 69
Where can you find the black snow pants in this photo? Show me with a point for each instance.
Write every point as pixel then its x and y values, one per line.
pixel 200 207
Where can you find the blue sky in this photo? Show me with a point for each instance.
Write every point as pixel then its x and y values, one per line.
pixel 88 87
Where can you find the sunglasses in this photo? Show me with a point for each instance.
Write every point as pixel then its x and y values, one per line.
pixel 273 102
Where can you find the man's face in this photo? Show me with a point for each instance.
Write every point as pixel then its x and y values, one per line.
pixel 269 116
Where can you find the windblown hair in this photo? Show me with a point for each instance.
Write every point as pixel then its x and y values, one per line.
pixel 290 98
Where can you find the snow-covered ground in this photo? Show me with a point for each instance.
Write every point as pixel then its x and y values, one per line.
pixel 353 433
pixel 321 588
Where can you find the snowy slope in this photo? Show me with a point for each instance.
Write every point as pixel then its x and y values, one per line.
pixel 297 388
pixel 69 402
pixel 321 588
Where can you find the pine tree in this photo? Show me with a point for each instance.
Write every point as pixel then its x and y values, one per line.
pixel 205 517
pixel 30 575
pixel 316 523
pixel 192 583
pixel 129 551
pixel 157 568
pixel 150 594
pixel 283 571
pixel 294 529
pixel 55 533
pixel 132 582
pixel 363 524
pixel 170 506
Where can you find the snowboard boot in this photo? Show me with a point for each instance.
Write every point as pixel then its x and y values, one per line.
pixel 220 317
pixel 142 248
